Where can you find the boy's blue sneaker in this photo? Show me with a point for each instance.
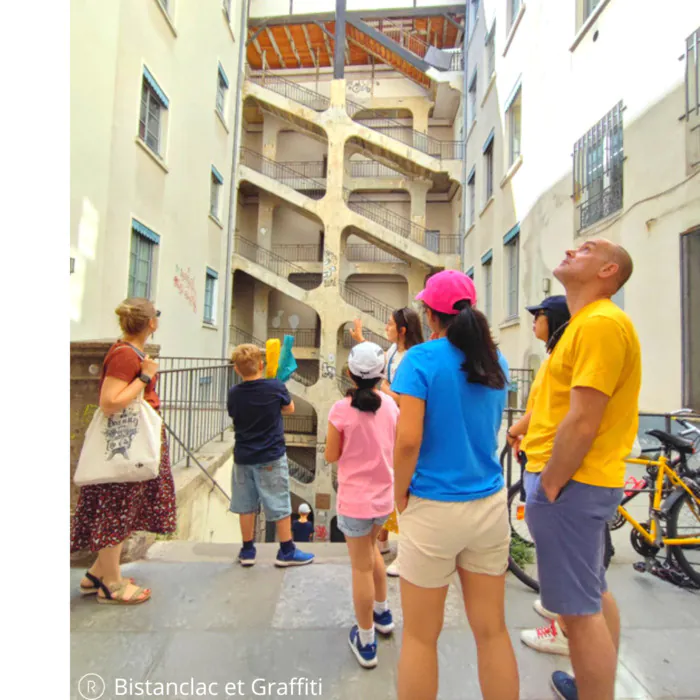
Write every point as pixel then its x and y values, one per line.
pixel 247 556
pixel 564 686
pixel 384 622
pixel 366 655
pixel 294 558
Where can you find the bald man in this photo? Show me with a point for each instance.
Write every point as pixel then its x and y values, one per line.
pixel 583 424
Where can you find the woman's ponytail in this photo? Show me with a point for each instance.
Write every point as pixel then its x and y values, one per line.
pixel 364 397
pixel 469 332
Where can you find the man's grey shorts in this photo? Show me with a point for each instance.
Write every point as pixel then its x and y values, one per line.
pixel 252 484
pixel 569 537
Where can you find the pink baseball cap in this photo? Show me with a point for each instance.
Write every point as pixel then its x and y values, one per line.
pixel 443 290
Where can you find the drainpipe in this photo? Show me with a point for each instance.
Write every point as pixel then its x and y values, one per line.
pixel 465 88
pixel 233 193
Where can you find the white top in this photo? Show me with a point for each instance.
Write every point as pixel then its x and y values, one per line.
pixel 393 360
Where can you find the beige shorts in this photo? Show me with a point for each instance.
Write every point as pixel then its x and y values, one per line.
pixel 436 537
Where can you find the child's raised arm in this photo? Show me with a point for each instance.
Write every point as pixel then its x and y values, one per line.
pixel 334 444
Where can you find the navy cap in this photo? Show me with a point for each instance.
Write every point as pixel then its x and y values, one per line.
pixel 555 303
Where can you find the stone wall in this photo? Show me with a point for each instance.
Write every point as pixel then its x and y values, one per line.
pixel 86 360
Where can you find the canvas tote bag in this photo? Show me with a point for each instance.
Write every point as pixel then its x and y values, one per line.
pixel 124 447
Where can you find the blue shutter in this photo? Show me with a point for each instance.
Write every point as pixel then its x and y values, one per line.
pixel 145 231
pixel 513 94
pixel 472 174
pixel 156 88
pixel 470 272
pixel 222 73
pixel 486 257
pixel 488 141
pixel 212 273
pixel 217 175
pixel 513 233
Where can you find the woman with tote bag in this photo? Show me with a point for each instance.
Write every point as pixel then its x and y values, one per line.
pixel 107 513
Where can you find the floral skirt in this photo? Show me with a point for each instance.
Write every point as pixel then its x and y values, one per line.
pixel 107 514
pixel 392 524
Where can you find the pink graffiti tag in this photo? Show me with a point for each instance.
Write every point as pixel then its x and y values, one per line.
pixel 184 283
pixel 321 533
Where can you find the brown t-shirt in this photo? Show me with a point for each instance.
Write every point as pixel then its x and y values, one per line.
pixel 123 362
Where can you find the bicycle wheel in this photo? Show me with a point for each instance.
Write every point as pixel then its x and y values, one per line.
pixel 522 561
pixel 684 521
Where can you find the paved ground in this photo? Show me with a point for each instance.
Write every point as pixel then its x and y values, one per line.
pixel 213 622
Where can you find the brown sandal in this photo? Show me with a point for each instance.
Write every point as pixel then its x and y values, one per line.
pixel 91 590
pixel 114 595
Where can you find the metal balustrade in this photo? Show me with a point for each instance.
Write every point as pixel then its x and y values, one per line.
pixel 361 252
pixel 365 302
pixel 371 168
pixel 400 35
pixel 308 168
pixel 282 173
pixel 293 91
pixel 300 472
pixel 303 337
pixel 369 335
pixel 303 425
pixel 266 258
pixel 300 252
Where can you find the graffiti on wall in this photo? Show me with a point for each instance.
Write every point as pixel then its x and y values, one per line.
pixel 359 87
pixel 330 268
pixel 184 283
pixel 327 369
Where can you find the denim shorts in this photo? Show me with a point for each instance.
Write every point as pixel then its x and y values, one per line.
pixel 359 527
pixel 570 541
pixel 268 483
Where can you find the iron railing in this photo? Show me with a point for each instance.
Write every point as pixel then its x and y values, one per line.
pixel 403 36
pixel 269 260
pixel 300 252
pixel 168 363
pixel 282 173
pixel 361 252
pixel 308 168
pixel 334 476
pixel 292 90
pixel 598 169
pixel 303 337
pixel 306 280
pixel 443 245
pixel 520 383
pixel 194 404
pixel 306 375
pixel 365 302
pixel 371 168
pixel 304 425
pixel 344 383
pixel 386 218
pixel 369 335
pixel 300 472
pixel 379 120
pixel 457 61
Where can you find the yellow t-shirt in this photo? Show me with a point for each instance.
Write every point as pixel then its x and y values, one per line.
pixel 600 350
pixel 534 388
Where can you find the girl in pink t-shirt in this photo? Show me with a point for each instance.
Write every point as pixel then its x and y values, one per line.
pixel 361 434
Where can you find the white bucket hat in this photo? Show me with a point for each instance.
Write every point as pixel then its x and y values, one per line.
pixel 366 361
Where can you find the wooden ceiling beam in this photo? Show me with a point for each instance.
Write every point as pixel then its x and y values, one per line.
pixel 309 45
pixel 275 47
pixel 444 35
pixel 292 45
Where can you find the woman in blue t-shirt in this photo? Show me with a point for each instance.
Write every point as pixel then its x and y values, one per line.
pixel 450 492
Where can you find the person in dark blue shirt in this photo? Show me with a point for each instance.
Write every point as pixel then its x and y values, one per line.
pixel 260 469
pixel 303 529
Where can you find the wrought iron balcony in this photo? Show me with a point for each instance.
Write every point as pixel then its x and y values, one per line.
pixel 365 302
pixel 369 335
pixel 293 91
pixel 300 252
pixel 361 252
pixel 303 425
pixel 303 337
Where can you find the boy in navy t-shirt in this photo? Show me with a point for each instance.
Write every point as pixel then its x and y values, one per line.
pixel 260 470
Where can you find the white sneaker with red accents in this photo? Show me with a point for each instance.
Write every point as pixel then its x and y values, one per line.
pixel 541 610
pixel 548 640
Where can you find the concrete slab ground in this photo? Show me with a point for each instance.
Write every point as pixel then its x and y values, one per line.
pixel 212 622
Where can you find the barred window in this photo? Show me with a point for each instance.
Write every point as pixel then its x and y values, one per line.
pixel 150 119
pixel 598 172
pixel 692 75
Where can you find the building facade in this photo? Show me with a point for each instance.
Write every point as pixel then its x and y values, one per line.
pixel 583 122
pixel 153 95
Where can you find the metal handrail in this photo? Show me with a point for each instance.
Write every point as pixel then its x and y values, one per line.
pixel 406 38
pixel 308 168
pixel 385 217
pixel 304 425
pixel 369 335
pixel 388 126
pixel 371 168
pixel 364 301
pixel 442 245
pixel 282 173
pixel 265 257
pixel 301 473
pixel 294 91
pixel 303 337
pixel 344 383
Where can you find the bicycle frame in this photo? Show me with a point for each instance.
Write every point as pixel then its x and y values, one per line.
pixel 654 536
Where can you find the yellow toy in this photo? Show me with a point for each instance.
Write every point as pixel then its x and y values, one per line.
pixel 272 357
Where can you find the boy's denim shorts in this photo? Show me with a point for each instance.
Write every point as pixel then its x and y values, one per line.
pixel 253 484
pixel 359 527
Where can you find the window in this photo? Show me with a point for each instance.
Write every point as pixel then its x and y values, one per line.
pixel 598 158
pixel 513 11
pixel 692 75
pixel 488 166
pixel 511 242
pixel 141 262
pixel 227 8
pixel 471 183
pixel 154 105
pixel 216 182
pixel 513 111
pixel 472 100
pixel 166 5
pixel 473 15
pixel 491 52
pixel 210 296
pixel 588 7
pixel 486 266
pixel 221 91
pixel 470 273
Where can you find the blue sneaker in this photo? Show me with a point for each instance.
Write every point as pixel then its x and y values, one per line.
pixel 366 655
pixel 295 558
pixel 564 686
pixel 247 557
pixel 384 622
